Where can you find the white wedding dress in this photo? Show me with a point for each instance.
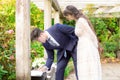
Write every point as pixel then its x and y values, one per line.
pixel 88 60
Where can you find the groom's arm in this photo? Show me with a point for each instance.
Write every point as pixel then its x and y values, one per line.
pixel 50 59
pixel 65 28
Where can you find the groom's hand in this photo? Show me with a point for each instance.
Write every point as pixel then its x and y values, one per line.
pixel 43 69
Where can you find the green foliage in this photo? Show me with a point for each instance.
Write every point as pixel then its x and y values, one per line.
pixel 7 60
pixel 7 50
pixel 37 50
pixel 37 20
pixel 107 30
pixel 69 68
pixel 71 23
pixel 7 37
pixel 7 13
pixel 67 71
pixel 108 33
pixel 89 9
pixel 38 62
pixel 37 16
pixel 2 72
pixel 109 55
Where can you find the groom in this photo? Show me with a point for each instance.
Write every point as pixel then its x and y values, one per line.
pixel 62 38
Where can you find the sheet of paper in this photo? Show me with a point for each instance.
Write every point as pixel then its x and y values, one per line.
pixel 36 73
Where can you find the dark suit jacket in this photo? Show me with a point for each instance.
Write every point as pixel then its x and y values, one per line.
pixel 65 36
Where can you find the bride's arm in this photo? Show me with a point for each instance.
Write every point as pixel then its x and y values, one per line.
pixel 80 27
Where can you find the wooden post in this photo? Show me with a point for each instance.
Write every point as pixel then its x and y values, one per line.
pixel 57 17
pixel 47 13
pixel 23 40
pixel 119 21
pixel 118 52
pixel 47 17
pixel 61 21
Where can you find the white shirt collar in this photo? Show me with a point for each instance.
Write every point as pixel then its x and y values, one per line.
pixel 48 35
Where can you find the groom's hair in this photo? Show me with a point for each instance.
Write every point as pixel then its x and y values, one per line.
pixel 35 33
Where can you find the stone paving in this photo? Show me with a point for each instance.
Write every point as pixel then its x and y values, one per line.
pixel 110 71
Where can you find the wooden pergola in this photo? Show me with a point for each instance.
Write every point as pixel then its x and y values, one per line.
pixel 23 61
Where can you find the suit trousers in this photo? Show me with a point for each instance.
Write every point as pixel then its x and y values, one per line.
pixel 63 61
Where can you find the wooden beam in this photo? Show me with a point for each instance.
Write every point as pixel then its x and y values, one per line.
pixel 57 7
pixel 107 15
pixel 47 17
pixel 23 40
pixel 107 11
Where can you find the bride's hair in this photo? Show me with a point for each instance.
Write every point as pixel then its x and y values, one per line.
pixel 71 10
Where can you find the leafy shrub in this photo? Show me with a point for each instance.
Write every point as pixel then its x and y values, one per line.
pixel 109 55
pixel 7 49
pixel 69 68
pixel 37 20
pixel 108 33
pixel 2 72
pixel 37 50
pixel 7 37
pixel 37 16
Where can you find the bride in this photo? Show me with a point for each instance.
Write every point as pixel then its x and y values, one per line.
pixel 88 59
